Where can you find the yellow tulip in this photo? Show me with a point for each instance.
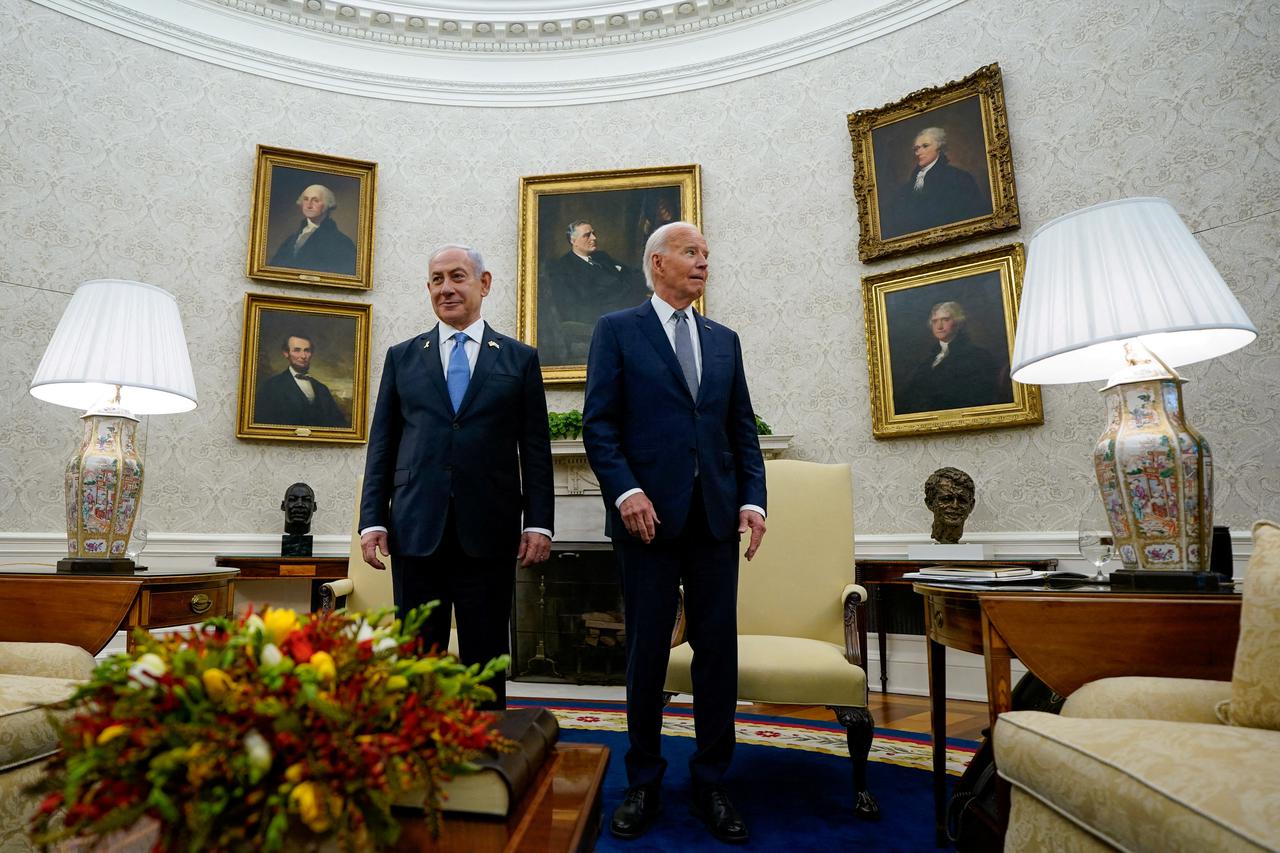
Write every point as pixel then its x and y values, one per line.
pixel 397 682
pixel 316 809
pixel 111 733
pixel 294 772
pixel 217 683
pixel 279 623
pixel 324 666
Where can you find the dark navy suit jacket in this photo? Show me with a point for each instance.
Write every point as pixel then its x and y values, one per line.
pixel 643 429
pixel 493 458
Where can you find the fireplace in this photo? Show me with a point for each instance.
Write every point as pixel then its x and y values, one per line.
pixel 566 625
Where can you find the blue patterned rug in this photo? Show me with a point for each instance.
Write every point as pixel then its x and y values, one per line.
pixel 798 801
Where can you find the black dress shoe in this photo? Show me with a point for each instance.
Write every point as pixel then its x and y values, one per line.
pixel 637 813
pixel 713 807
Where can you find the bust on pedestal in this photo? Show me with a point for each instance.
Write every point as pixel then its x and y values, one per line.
pixel 299 505
pixel 950 495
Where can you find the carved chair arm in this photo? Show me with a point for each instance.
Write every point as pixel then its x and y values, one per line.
pixel 853 597
pixel 678 631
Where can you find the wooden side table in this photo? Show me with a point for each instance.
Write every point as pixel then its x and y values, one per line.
pixel 872 574
pixel 316 570
pixel 1067 638
pixel 39 604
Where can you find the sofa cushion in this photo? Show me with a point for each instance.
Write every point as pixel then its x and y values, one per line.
pixel 50 660
pixel 1255 678
pixel 26 733
pixel 1144 697
pixel 1194 786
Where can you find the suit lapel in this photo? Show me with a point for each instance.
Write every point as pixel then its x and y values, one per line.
pixel 484 365
pixel 651 326
pixel 430 349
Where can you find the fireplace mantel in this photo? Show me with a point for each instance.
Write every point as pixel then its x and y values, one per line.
pixel 575 477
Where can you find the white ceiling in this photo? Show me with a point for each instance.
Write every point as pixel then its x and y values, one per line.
pixel 503 52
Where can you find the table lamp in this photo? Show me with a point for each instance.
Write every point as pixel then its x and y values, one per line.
pixel 1122 291
pixel 119 351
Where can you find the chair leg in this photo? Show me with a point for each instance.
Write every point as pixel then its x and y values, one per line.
pixel 860 729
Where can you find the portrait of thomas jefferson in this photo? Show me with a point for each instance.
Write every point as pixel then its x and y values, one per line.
pixel 950 369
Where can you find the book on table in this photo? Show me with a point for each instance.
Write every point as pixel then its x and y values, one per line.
pixel 985 572
pixel 502 778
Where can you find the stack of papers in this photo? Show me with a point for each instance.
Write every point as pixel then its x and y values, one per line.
pixel 964 572
pixel 976 576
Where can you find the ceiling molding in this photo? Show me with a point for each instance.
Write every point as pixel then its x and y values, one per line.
pixel 470 53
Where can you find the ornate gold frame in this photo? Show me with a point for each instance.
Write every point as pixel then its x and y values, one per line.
pixel 247 427
pixel 1009 261
pixel 364 171
pixel 689 180
pixel 987 84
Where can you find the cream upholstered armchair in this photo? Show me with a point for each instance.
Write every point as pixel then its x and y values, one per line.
pixel 797 608
pixel 1160 764
pixel 364 587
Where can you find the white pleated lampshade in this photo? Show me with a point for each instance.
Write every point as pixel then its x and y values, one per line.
pixel 1115 272
pixel 118 333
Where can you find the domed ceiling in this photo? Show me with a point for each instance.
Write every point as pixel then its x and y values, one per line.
pixel 503 52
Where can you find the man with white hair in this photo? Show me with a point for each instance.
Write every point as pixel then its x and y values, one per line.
pixel 937 193
pixel 317 244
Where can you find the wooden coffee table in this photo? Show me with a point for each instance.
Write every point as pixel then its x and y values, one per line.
pixel 559 814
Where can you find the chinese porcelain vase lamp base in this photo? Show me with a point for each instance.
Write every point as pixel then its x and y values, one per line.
pixel 119 351
pixel 1122 292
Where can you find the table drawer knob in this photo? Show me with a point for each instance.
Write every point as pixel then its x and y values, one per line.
pixel 200 602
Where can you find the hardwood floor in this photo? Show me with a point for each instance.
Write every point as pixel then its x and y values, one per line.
pixel 895 711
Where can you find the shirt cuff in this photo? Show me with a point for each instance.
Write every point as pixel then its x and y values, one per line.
pixel 628 493
pixel 544 531
pixel 758 509
pixel 371 529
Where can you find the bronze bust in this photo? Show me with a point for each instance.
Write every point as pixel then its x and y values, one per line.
pixel 299 505
pixel 949 495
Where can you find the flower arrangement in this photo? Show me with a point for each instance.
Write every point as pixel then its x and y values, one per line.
pixel 247 734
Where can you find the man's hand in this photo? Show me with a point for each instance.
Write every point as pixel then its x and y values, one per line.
pixel 534 548
pixel 370 544
pixel 639 518
pixel 754 520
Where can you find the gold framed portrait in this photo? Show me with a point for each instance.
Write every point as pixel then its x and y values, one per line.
pixel 312 219
pixel 304 370
pixel 939 345
pixel 582 238
pixel 935 167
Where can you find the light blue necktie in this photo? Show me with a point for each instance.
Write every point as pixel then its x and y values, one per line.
pixel 459 372
pixel 684 353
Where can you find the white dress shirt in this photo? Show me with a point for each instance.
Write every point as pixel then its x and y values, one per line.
pixel 665 314
pixel 474 333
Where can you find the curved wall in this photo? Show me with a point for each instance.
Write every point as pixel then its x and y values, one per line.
pixel 121 159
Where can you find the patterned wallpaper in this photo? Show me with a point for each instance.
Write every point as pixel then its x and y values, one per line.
pixel 122 160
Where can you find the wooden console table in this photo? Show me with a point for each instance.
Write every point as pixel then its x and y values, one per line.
pixel 873 573
pixel 317 570
pixel 1067 638
pixel 41 605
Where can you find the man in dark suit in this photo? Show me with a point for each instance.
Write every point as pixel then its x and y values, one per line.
pixel 317 244
pixel 955 373
pixel 937 193
pixel 583 284
pixel 671 436
pixel 459 453
pixel 294 397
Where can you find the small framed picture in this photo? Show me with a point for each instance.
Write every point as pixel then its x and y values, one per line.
pixel 312 219
pixel 304 370
pixel 582 239
pixel 939 344
pixel 933 168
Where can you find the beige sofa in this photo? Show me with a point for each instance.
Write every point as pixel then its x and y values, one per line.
pixel 32 675
pixel 1159 764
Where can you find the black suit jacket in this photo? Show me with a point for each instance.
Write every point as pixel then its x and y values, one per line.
pixel 492 458
pixel 327 250
pixel 643 429
pixel 281 401
pixel 968 376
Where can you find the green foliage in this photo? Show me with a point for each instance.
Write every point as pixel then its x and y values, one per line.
pixel 762 428
pixel 565 424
